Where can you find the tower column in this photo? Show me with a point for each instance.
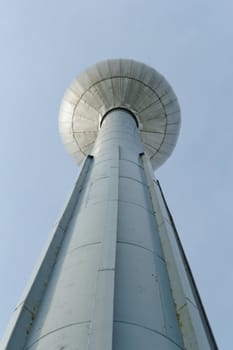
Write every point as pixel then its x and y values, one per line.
pixel 114 275
pixel 109 288
pixel 144 311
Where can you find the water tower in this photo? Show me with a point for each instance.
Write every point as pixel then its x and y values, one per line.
pixel 114 275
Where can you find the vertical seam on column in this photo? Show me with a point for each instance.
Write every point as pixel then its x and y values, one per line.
pixel 149 185
pixel 117 179
pixel 107 263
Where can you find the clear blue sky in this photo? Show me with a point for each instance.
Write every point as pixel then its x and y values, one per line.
pixel 44 45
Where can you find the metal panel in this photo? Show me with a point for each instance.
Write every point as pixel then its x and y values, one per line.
pixel 194 325
pixel 101 331
pixel 27 308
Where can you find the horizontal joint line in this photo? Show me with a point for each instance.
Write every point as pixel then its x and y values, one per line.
pixel 56 330
pixel 141 246
pixel 151 330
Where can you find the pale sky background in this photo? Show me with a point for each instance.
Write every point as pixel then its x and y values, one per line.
pixel 44 45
